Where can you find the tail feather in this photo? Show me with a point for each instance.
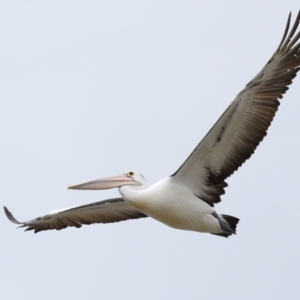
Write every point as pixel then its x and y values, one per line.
pixel 232 223
pixel 222 234
pixel 231 220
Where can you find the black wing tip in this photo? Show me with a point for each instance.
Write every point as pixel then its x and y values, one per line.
pixel 11 217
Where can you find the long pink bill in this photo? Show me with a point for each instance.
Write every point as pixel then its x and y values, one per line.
pixel 105 183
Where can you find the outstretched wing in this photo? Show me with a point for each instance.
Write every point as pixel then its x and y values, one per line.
pixel 237 133
pixel 107 211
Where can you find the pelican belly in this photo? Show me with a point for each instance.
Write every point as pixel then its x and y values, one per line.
pixel 174 205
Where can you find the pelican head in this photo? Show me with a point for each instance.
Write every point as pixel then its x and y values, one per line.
pixel 128 178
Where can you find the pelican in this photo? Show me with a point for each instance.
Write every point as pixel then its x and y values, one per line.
pixel 186 199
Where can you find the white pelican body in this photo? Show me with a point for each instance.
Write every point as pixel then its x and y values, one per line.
pixel 186 199
pixel 172 204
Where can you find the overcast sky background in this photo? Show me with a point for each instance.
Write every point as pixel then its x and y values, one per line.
pixel 93 88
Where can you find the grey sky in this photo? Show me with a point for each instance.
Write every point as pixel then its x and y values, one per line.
pixel 94 88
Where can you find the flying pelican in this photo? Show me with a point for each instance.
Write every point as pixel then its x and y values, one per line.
pixel 185 200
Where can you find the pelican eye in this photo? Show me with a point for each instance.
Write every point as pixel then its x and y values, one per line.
pixel 130 173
